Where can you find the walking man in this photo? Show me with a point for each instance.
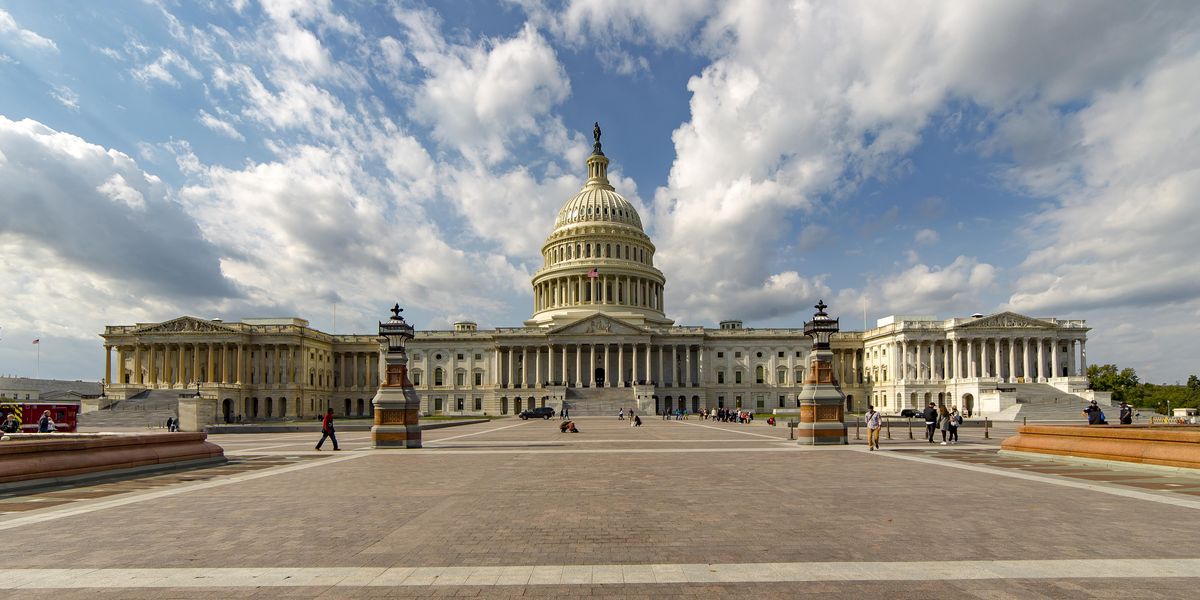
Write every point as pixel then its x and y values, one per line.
pixel 931 421
pixel 327 430
pixel 874 422
pixel 1126 413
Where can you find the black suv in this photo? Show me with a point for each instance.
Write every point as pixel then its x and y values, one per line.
pixel 911 413
pixel 541 412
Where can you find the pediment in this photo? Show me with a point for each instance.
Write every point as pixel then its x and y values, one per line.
pixel 599 325
pixel 1007 320
pixel 185 325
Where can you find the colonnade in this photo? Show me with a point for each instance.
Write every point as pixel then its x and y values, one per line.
pixel 576 290
pixel 1006 358
pixel 184 364
pixel 624 363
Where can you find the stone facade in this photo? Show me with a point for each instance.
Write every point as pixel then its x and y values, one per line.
pixel 599 340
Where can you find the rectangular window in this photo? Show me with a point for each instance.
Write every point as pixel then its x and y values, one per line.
pixel 459 403
pixel 780 354
pixel 759 403
pixel 478 378
pixel 416 379
pixel 720 355
pixel 460 378
pixel 781 377
pixel 737 354
pixel 720 401
pixel 459 356
pixel 478 357
pixel 799 376
pixel 479 404
pixel 782 401
pixel 798 354
pixel 737 376
pixel 720 376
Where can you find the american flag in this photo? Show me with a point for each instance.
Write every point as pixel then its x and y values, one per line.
pixel 37 341
pixel 593 273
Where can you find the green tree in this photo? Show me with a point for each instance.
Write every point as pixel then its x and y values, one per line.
pixel 1123 383
pixel 1193 382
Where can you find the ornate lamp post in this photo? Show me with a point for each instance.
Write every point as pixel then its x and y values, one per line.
pixel 397 407
pixel 821 401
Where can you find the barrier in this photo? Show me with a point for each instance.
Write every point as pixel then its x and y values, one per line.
pixel 1171 446
pixel 55 456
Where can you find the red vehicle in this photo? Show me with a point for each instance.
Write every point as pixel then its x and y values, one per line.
pixel 30 412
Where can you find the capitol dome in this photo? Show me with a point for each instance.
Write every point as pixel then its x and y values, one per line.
pixel 598 259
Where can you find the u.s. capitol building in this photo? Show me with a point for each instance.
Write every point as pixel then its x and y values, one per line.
pixel 599 339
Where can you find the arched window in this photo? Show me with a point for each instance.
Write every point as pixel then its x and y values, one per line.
pixel 781 376
pixel 758 374
pixel 438 375
pixel 799 375
pixel 608 251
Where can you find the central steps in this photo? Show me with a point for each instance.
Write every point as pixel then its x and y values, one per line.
pixel 593 402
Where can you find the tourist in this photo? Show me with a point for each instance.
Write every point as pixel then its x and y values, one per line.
pixel 1095 416
pixel 170 424
pixel 46 424
pixel 771 420
pixel 1126 413
pixel 637 421
pixel 562 427
pixel 571 427
pixel 11 424
pixel 327 430
pixel 944 423
pixel 620 414
pixel 955 420
pixel 931 418
pixel 874 423
pixel 565 413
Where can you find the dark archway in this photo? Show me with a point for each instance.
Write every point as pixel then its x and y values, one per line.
pixel 227 410
pixel 599 376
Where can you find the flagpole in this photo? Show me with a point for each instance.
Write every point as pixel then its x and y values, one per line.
pixel 39 359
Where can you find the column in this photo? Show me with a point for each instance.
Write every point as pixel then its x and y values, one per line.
pixel 590 377
pixel 151 366
pixel 621 365
pixel 646 375
pixel 239 370
pixel 578 365
pixel 700 365
pixel 687 366
pixel 297 373
pixel 1012 361
pixel 952 372
pixel 1042 361
pixel 137 363
pixel 208 354
pixel 354 370
pixel 108 364
pixel 537 366
pixel 341 371
pixel 1053 358
pixel 565 379
pixel 662 378
pixel 903 374
pixel 524 366
pixel 1025 359
pixel 512 376
pixel 195 350
pixel 550 363
pixel 609 380
pixel 633 364
pixel 674 365
pixel 998 370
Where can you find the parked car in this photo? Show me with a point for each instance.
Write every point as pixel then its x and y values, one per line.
pixel 541 412
pixel 911 413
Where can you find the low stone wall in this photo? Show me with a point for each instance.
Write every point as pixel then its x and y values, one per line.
pixel 58 456
pixel 1171 446
pixel 316 427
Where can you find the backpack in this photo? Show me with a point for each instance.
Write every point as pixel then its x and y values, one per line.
pixel 1100 420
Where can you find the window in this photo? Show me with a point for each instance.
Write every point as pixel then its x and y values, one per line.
pixel 478 357
pixel 758 373
pixel 478 403
pixel 798 354
pixel 758 355
pixel 737 354
pixel 781 376
pixel 437 357
pixel 782 401
pixel 438 374
pixel 760 403
pixel 780 355
pixel 459 356
pixel 416 378
pixel 720 401
pixel 460 378
pixel 799 375
pixel 478 377
pixel 737 376
pixel 720 355
pixel 720 376
pixel 459 403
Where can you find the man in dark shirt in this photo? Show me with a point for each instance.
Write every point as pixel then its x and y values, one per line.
pixel 1126 414
pixel 931 421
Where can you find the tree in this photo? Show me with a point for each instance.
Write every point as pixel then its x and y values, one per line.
pixel 1193 383
pixel 1122 383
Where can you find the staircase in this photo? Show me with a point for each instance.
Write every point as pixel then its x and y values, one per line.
pixel 591 402
pixel 1043 402
pixel 147 409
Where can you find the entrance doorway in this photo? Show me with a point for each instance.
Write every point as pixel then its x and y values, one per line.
pixel 968 404
pixel 227 410
pixel 599 377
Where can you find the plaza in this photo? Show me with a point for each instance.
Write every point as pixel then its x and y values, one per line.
pixel 684 508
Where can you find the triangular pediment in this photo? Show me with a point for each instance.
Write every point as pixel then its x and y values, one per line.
pixel 1007 320
pixel 185 325
pixel 599 324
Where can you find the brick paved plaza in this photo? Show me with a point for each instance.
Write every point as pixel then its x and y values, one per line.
pixel 674 508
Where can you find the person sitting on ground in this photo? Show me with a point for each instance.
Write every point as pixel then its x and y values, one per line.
pixel 562 427
pixel 571 427
pixel 11 424
pixel 637 421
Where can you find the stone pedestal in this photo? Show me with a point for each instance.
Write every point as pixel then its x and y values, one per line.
pixel 821 404
pixel 397 418
pixel 196 412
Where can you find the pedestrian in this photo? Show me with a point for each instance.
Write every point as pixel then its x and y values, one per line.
pixel 874 423
pixel 931 418
pixel 11 424
pixel 944 423
pixel 46 424
pixel 637 421
pixel 1126 413
pixel 1095 416
pixel 620 414
pixel 565 414
pixel 327 430
pixel 170 423
pixel 955 420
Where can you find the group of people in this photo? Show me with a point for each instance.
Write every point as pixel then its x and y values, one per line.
pixel 634 419
pixel 944 419
pixel 13 425
pixel 728 415
pixel 568 427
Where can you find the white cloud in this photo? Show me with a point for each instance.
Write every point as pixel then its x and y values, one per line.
pixel 955 288
pixel 9 27
pixel 477 98
pixel 219 126
pixel 119 190
pixel 163 69
pixel 926 237
pixel 66 97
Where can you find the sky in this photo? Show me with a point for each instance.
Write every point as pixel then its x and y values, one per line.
pixel 241 158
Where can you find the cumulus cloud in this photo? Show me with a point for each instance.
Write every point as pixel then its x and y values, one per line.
pixel 25 37
pixel 219 126
pixel 928 289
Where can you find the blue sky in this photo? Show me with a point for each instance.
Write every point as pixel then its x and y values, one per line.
pixel 242 158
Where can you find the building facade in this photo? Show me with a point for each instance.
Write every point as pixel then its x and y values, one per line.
pixel 599 340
